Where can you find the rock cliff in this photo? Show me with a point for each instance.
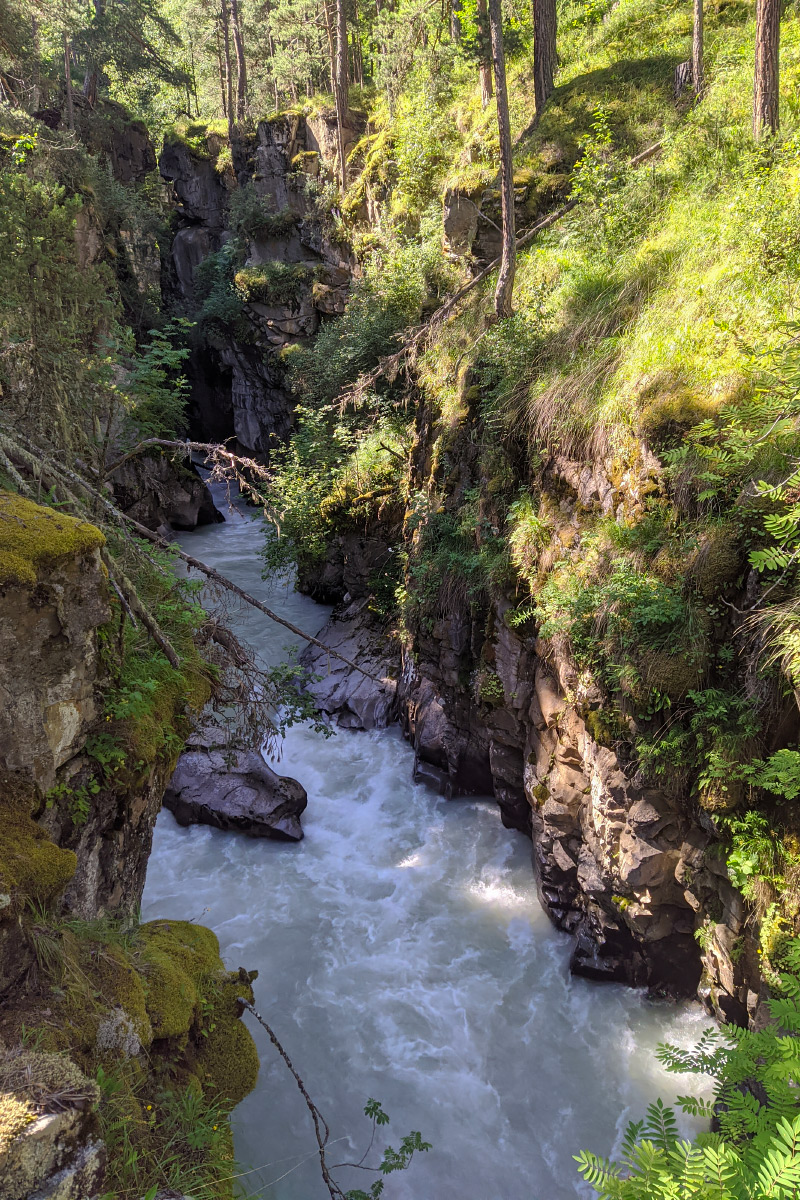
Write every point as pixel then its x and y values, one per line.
pixel 151 1004
pixel 630 870
pixel 257 198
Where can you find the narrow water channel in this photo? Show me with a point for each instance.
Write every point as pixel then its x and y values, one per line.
pixel 403 955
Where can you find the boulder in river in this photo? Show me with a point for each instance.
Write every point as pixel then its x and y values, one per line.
pixel 233 788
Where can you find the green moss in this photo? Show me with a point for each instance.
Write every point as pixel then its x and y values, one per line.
pixel 605 727
pixel 272 282
pixel 48 1081
pixel 31 866
pixel 33 537
pixel 116 978
pixel 671 674
pixel 717 560
pixel 172 996
pixel 669 415
pixel 178 958
pixel 305 160
pixel 15 1115
pixel 227 1060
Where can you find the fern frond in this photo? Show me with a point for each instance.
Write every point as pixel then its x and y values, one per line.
pixel 600 1173
pixel 661 1125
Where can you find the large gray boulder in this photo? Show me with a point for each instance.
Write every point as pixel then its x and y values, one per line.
pixel 233 788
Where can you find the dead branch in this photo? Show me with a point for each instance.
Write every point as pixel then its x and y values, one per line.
pixel 57 470
pixel 321 1130
pixel 124 586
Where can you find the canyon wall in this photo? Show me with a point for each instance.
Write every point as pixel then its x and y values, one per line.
pixel 631 870
pixel 237 366
pixel 152 1004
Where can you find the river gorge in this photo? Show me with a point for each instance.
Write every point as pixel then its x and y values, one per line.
pixel 403 954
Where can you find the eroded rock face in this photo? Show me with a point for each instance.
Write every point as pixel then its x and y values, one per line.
pixel 53 597
pixel 234 789
pixel 628 869
pixel 238 382
pixel 164 493
pixel 357 701
pixel 58 1157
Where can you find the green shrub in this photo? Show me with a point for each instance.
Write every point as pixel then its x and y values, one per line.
pixel 252 216
pixel 275 283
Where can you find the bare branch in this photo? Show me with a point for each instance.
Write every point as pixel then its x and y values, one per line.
pixel 320 1124
pixel 59 470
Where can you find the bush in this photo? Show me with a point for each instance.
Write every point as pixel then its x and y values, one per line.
pixel 274 283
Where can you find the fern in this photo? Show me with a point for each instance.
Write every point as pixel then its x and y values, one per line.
pixel 755 1152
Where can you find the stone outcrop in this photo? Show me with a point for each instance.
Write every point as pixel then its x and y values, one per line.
pixel 234 789
pixel 153 1000
pixel 238 378
pixel 53 596
pixel 356 700
pixel 49 1143
pixel 163 493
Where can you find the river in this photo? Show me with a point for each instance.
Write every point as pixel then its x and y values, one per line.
pixel 403 955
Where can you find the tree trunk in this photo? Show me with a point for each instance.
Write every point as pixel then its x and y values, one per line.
pixel 340 87
pixel 221 66
pixel 485 66
pixel 697 49
pixel 92 76
pixel 544 51
pixel 226 46
pixel 37 91
pixel 241 65
pixel 267 20
pixel 326 6
pixel 455 21
pixel 765 104
pixel 505 280
pixel 68 81
pixel 358 59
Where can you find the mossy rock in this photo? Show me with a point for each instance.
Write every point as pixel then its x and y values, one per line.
pixel 102 983
pixel 178 958
pixel 32 868
pixel 48 1081
pixel 717 560
pixel 33 537
pixel 15 1115
pixel 227 1060
pixel 669 415
pixel 672 673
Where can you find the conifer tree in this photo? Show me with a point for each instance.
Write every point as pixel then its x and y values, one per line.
pixel 505 280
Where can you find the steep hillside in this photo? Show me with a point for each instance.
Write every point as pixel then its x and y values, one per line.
pixel 591 580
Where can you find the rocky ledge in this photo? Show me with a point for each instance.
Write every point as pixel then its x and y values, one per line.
pixel 357 700
pixel 233 789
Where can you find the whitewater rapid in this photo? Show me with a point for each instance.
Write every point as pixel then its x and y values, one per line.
pixel 403 955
